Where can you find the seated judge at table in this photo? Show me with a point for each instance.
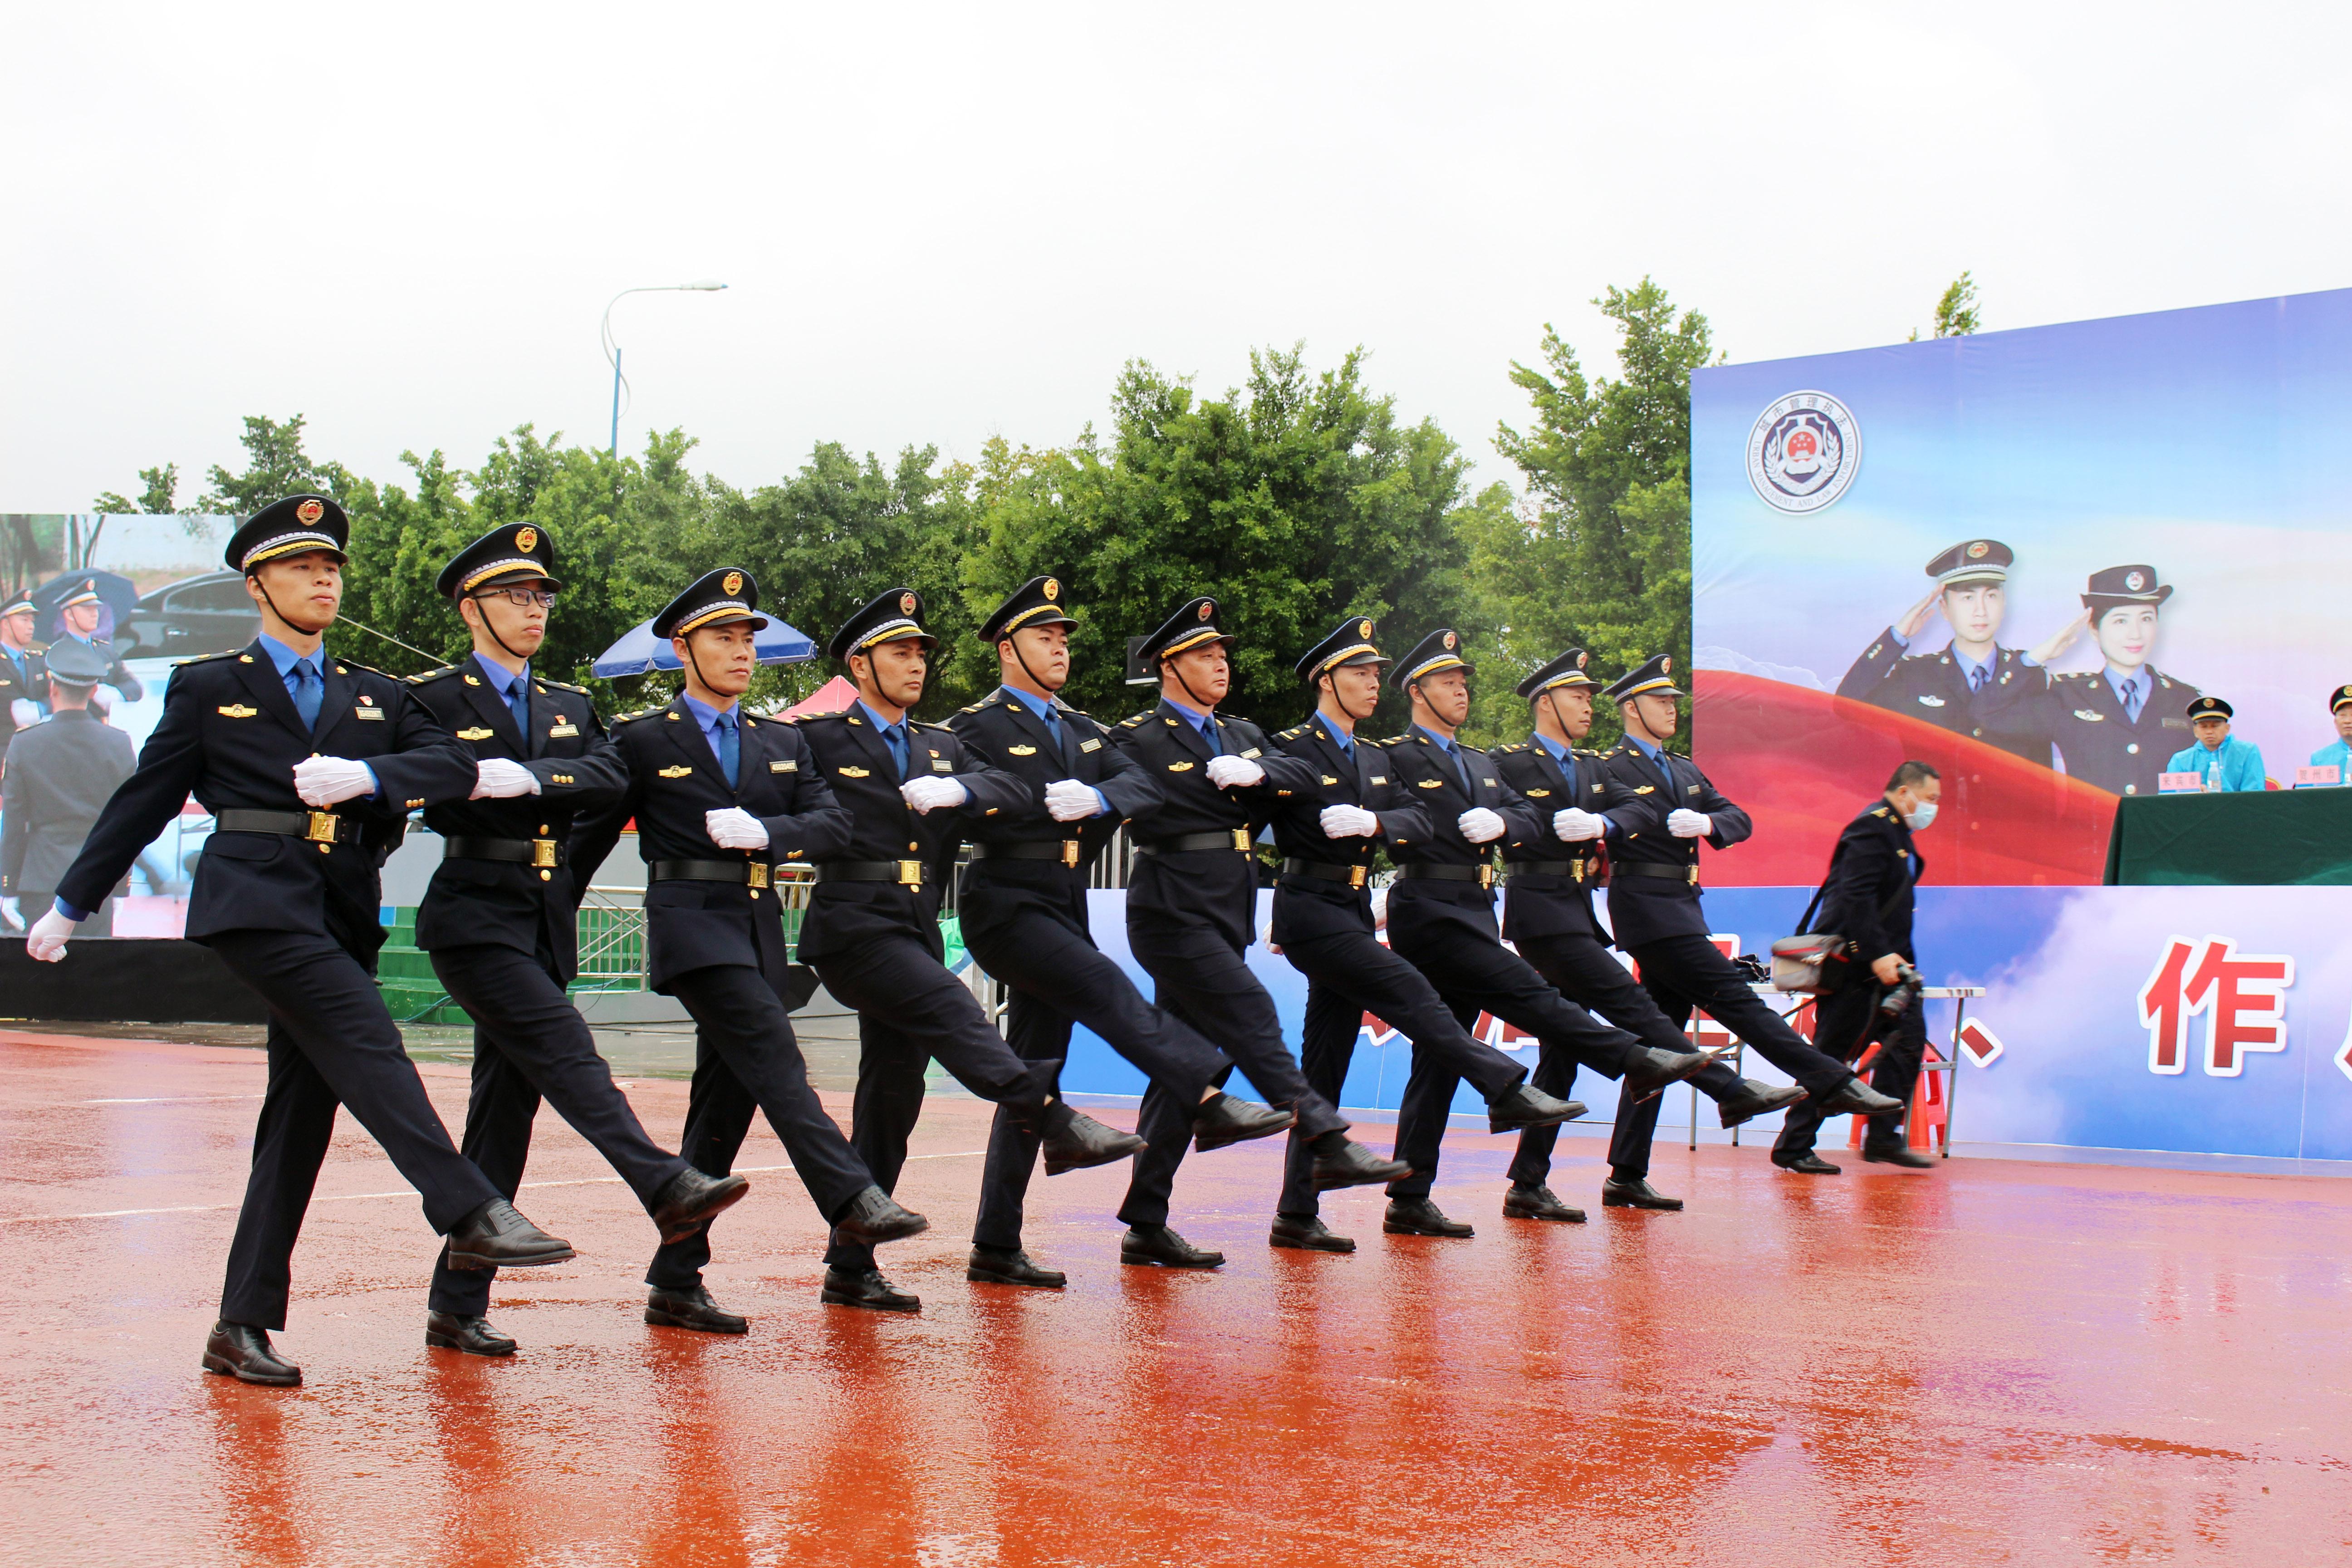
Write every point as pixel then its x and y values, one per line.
pixel 2226 761
pixel 2339 755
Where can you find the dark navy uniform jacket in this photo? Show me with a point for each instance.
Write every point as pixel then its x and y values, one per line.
pixel 1935 686
pixel 1421 768
pixel 230 736
pixel 2085 716
pixel 505 903
pixel 1004 733
pixel 1308 906
pixel 1187 888
pixel 1551 903
pixel 61 776
pixel 674 780
pixel 1640 797
pixel 857 767
pixel 33 685
pixel 1875 866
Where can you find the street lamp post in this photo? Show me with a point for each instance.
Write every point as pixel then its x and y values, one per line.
pixel 612 346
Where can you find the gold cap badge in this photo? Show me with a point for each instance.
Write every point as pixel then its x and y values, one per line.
pixel 1980 550
pixel 1665 667
pixel 527 540
pixel 1208 608
pixel 311 512
pixel 906 603
pixel 1052 590
pixel 732 582
pixel 1364 630
pixel 1450 640
pixel 1579 661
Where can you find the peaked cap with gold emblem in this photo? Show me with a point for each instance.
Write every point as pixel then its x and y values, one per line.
pixel 720 598
pixel 1351 642
pixel 1194 626
pixel 892 615
pixel 1039 601
pixel 1655 678
pixel 294 526
pixel 1567 669
pixel 1441 650
pixel 514 549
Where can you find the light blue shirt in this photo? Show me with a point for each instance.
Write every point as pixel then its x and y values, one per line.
pixel 904 756
pixel 1204 722
pixel 2139 680
pixel 285 658
pixel 2235 765
pixel 1044 708
pixel 515 688
pixel 706 718
pixel 2336 755
pixel 1344 739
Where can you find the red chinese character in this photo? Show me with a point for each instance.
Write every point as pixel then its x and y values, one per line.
pixel 2242 995
pixel 2165 1012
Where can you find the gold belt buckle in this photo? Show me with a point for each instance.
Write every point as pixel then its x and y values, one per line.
pixel 1356 876
pixel 1241 840
pixel 1693 878
pixel 1486 876
pixel 910 873
pixel 1579 870
pixel 543 853
pixel 322 827
pixel 757 873
pixel 1070 853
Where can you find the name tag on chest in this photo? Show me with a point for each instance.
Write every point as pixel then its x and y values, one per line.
pixel 564 727
pixel 364 711
pixel 786 767
pixel 942 766
pixel 1093 745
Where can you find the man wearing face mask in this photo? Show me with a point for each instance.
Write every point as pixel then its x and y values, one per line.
pixel 1868 900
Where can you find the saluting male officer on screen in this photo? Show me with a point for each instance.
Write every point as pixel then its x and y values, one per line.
pixel 63 770
pixel 1971 593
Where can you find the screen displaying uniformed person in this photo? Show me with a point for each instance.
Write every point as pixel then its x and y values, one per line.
pixel 1548 915
pixel 307 763
pixel 1191 915
pixel 2225 760
pixel 499 917
pixel 722 798
pixel 2115 726
pixel 80 614
pixel 22 688
pixel 2338 753
pixel 1972 594
pixel 1659 808
pixel 64 770
pixel 1867 899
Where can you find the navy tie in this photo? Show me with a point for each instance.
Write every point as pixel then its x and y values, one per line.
pixel 1053 729
pixel 1209 733
pixel 518 704
pixel 1461 771
pixel 309 690
pixel 731 748
pixel 2131 699
pixel 894 737
pixel 1979 675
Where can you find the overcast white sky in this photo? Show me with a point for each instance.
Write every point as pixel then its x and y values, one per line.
pixel 940 224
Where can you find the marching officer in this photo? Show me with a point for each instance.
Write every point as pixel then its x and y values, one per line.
pixel 1441 917
pixel 1329 835
pixel 62 773
pixel 1971 593
pixel 20 668
pixel 498 917
pixel 1192 915
pixel 721 799
pixel 307 763
pixel 1656 809
pixel 1023 906
pixel 1548 915
pixel 872 931
pixel 82 612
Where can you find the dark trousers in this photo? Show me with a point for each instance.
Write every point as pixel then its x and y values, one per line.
pixel 1476 973
pixel 1200 976
pixel 1846 1024
pixel 746 1059
pixel 911 1009
pixel 331 1043
pixel 1350 974
pixel 1058 976
pixel 529 1041
pixel 1584 971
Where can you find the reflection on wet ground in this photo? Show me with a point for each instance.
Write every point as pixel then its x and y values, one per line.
pixel 1997 1362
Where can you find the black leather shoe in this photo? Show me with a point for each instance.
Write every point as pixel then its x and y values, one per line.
pixel 1523 1106
pixel 1225 1119
pixel 1011 1265
pixel 495 1236
pixel 873 1216
pixel 243 1352
pixel 1353 1165
pixel 1418 1217
pixel 448 1331
pixel 689 1200
pixel 866 1289
pixel 1752 1100
pixel 1636 1193
pixel 1806 1165
pixel 1538 1203
pixel 1652 1069
pixel 1901 1155
pixel 1157 1247
pixel 1073 1141
pixel 1307 1233
pixel 1859 1099
pixel 692 1310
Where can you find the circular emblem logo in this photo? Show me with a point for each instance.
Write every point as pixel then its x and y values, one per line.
pixel 2135 581
pixel 1052 590
pixel 1579 661
pixel 1980 550
pixel 311 512
pixel 1364 630
pixel 732 582
pixel 1665 667
pixel 529 540
pixel 1449 639
pixel 906 603
pixel 1208 608
pixel 1803 452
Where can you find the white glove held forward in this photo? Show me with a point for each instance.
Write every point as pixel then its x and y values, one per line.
pixel 499 778
pixel 1380 909
pixel 1576 825
pixel 1686 824
pixel 16 916
pixel 323 781
pixel 1480 826
pixel 48 943
pixel 734 828
pixel 928 793
pixel 1067 800
pixel 1226 772
pixel 25 713
pixel 1349 822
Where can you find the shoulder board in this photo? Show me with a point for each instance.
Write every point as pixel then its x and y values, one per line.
pixel 1131 723
pixel 1584 751
pixel 973 708
pixel 353 667
pixel 1290 734
pixel 640 713
pixel 428 675
pixel 927 724
pixel 1080 713
pixel 812 718
pixel 1393 740
pixel 1512 750
pixel 200 658
pixel 1878 811
pixel 562 686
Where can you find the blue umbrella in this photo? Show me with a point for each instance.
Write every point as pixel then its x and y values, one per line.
pixel 638 651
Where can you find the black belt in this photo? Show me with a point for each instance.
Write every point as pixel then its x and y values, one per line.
pixel 1482 875
pixel 906 873
pixel 1236 839
pixel 1068 852
pixel 753 873
pixel 1651 868
pixel 543 853
pixel 320 827
pixel 1580 869
pixel 1354 876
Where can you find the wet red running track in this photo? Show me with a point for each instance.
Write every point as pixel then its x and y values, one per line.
pixel 1996 1363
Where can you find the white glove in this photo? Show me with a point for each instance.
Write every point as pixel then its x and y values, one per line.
pixel 1380 909
pixel 16 916
pixel 1226 772
pixel 48 943
pixel 1480 826
pixel 1575 825
pixel 734 828
pixel 323 781
pixel 1067 800
pixel 1685 824
pixel 101 700
pixel 928 793
pixel 497 778
pixel 1349 822
pixel 25 713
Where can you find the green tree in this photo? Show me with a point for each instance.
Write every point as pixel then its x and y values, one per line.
pixel 1955 312
pixel 154 497
pixel 276 466
pixel 1598 556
